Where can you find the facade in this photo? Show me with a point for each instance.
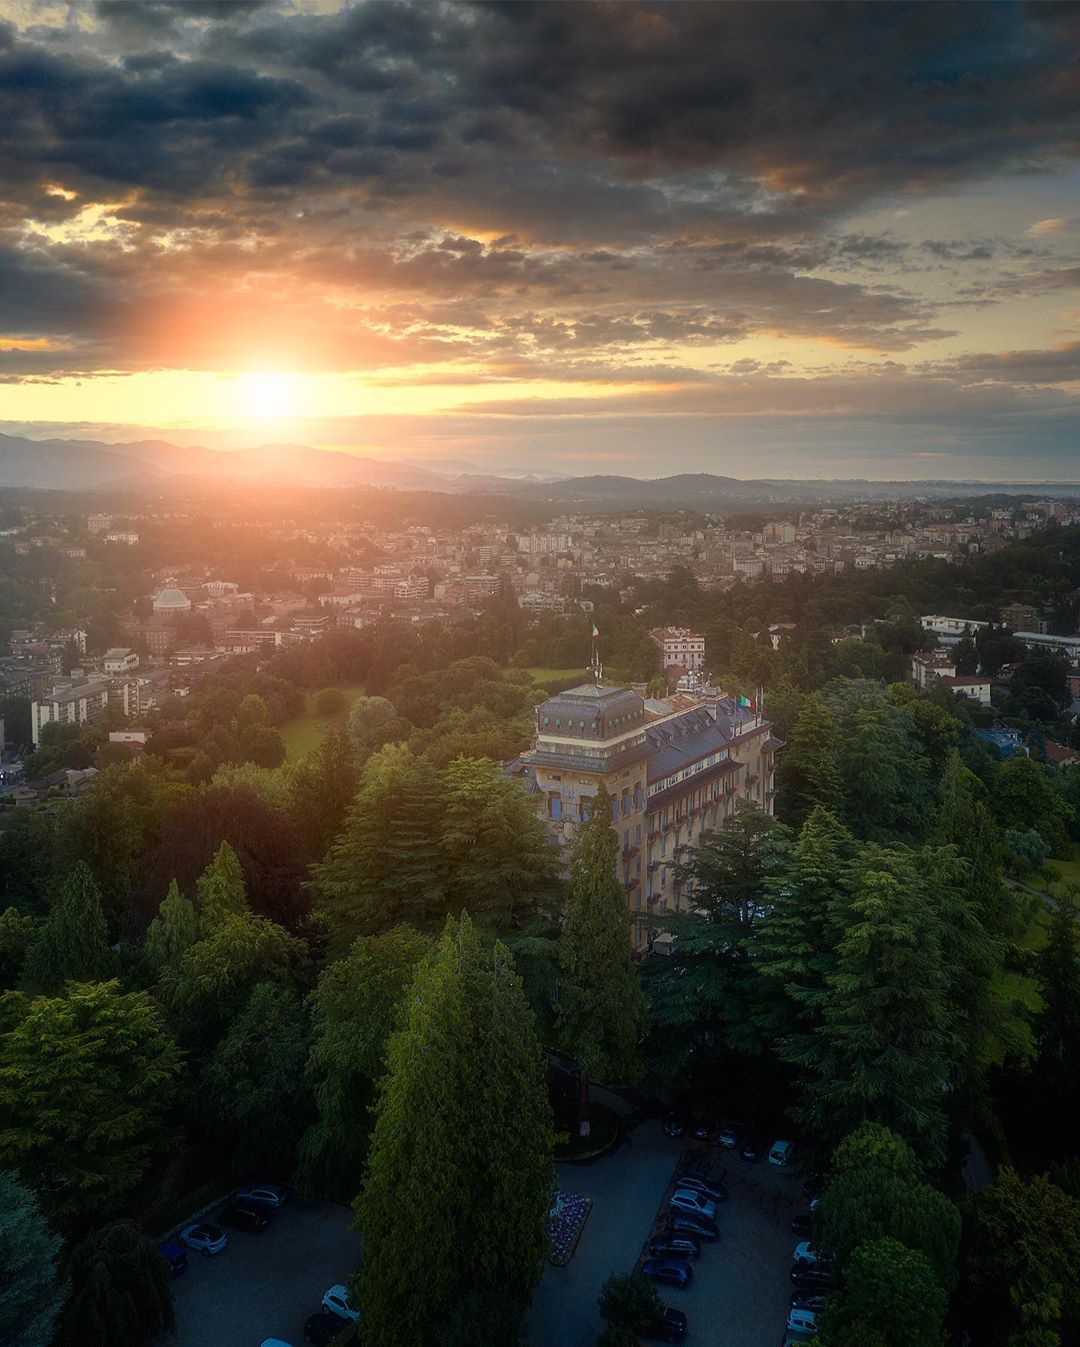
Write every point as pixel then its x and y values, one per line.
pixel 75 702
pixel 949 630
pixel 680 647
pixel 120 660
pixel 674 770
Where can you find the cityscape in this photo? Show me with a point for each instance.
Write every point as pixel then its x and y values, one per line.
pixel 539 674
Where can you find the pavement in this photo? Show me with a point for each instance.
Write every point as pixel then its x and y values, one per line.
pixel 265 1286
pixel 740 1293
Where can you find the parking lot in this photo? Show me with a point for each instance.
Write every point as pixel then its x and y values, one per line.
pixel 741 1288
pixel 265 1285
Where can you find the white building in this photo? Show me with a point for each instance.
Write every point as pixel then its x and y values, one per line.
pixel 680 646
pixel 120 660
pixel 74 702
pixel 172 600
pixel 949 630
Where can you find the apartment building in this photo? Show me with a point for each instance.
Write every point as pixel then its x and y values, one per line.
pixel 75 702
pixel 680 647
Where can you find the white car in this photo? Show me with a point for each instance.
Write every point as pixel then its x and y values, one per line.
pixel 685 1199
pixel 274 1342
pixel 802 1321
pixel 337 1302
pixel 806 1255
pixel 266 1194
pixel 780 1154
pixel 204 1238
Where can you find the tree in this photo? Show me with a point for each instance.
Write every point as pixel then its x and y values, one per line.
pixel 253 1085
pixel 890 1298
pixel 15 933
pixel 330 701
pixel 321 787
pixel 262 745
pixel 368 718
pixel 120 1291
pixel 354 1009
pixel 1057 970
pixel 809 770
pixel 173 930
pixel 965 820
pixel 601 1014
pixel 220 891
pixel 498 855
pixel 32 1295
pixel 86 1080
pixel 630 1302
pixel 463 1132
pixel 72 942
pixel 1024 797
pixel 386 865
pixel 879 1053
pixel 876 1191
pixel 270 785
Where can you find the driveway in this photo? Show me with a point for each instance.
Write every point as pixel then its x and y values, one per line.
pixel 626 1189
pixel 266 1285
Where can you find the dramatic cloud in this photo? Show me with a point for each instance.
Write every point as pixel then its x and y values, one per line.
pixel 692 209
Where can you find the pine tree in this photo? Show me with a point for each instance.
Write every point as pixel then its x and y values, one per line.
pixel 355 1008
pixel 965 821
pixel 86 1080
pixel 15 937
pixel 174 930
pixel 72 943
pixel 498 855
pixel 321 788
pixel 1058 973
pixel 809 771
pixel 385 866
pixel 220 890
pixel 463 1135
pixel 880 1051
pixel 120 1291
pixel 254 1090
pixel 30 1291
pixel 601 1014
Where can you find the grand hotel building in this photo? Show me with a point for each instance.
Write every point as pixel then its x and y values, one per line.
pixel 674 769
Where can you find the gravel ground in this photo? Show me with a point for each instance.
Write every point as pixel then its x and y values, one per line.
pixel 264 1286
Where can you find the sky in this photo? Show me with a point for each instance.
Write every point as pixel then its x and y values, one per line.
pixel 766 240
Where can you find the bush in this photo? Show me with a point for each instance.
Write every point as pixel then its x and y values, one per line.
pixel 630 1302
pixel 330 701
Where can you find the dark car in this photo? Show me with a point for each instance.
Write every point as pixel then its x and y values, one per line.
pixel 808 1300
pixel 670 1327
pixel 322 1329
pixel 238 1217
pixel 675 1246
pixel 703 1129
pixel 176 1257
pixel 802 1225
pixel 686 1223
pixel 674 1125
pixel 752 1149
pixel 811 1278
pixel 671 1271
pixel 730 1134
pixel 710 1188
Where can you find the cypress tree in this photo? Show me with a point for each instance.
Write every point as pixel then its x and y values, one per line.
pixel 174 929
pixel 601 1014
pixel 1058 973
pixel 30 1291
pixel 321 788
pixel 460 1157
pixel 72 943
pixel 15 935
pixel 810 775
pixel 220 891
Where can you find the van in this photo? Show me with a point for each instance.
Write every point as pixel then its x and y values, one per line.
pixel 780 1154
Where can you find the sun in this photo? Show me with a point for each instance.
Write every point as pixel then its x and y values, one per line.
pixel 266 396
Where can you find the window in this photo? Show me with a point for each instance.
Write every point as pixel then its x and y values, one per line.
pixel 555 805
pixel 585 808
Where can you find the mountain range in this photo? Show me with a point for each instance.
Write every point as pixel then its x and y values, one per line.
pixel 139 465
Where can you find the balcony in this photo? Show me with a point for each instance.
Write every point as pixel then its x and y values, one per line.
pixel 628 853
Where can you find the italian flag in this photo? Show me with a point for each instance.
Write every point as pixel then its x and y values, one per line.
pixel 745 701
pixel 594 631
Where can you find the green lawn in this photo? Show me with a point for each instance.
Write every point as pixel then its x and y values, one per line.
pixel 304 733
pixel 543 675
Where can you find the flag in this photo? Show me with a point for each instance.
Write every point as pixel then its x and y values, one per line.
pixel 745 702
pixel 595 632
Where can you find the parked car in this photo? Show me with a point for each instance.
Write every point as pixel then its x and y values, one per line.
pixel 703 1129
pixel 752 1150
pixel 708 1188
pixel 239 1217
pixel 780 1152
pixel 802 1225
pixel 274 1342
pixel 265 1194
pixel 806 1255
pixel 337 1301
pixel 204 1237
pixel 674 1125
pixel 685 1223
pixel 670 1327
pixel 808 1300
pixel 322 1329
pixel 675 1246
pixel 730 1134
pixel 685 1199
pixel 812 1278
pixel 670 1271
pixel 176 1257
pixel 802 1321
